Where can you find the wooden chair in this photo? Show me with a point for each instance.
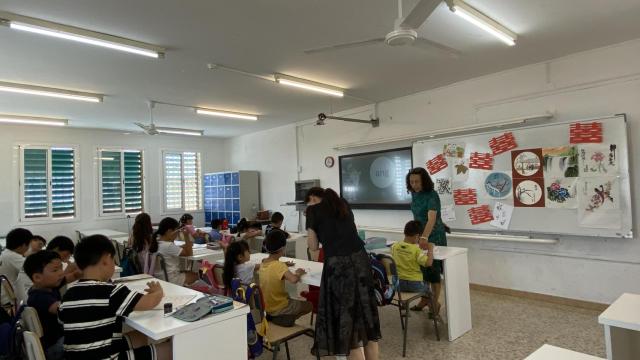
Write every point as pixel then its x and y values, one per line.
pixel 9 299
pixel 402 300
pixel 31 322
pixel 276 335
pixel 33 346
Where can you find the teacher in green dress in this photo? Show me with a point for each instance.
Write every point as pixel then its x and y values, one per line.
pixel 425 206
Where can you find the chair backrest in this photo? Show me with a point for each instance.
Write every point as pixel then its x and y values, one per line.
pixel 218 271
pixel 31 321
pixel 163 265
pixel 33 346
pixel 8 296
pixel 118 256
pixel 392 271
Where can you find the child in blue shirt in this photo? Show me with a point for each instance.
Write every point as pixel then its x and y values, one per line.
pixel 44 268
pixel 216 226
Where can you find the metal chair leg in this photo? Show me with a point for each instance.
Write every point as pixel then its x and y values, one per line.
pixel 400 312
pixel 406 327
pixel 286 347
pixel 435 317
pixel 275 349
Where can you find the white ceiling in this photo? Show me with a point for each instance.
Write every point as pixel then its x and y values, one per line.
pixel 267 36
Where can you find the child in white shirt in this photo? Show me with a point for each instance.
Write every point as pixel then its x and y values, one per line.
pixel 237 264
pixel 168 231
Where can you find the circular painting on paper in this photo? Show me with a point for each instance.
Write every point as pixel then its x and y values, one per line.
pixel 527 163
pixel 498 185
pixel 528 192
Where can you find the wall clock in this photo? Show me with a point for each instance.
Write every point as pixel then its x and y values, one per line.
pixel 329 161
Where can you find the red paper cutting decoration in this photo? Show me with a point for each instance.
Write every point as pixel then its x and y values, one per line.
pixel 480 214
pixel 465 197
pixel 503 143
pixel 580 133
pixel 483 161
pixel 436 164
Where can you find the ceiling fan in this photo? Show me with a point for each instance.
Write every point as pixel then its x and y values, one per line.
pixel 152 129
pixel 404 32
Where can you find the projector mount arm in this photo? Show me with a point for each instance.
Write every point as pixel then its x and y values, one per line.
pixel 375 122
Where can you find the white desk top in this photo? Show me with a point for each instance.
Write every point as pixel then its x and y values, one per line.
pixel 153 323
pixel 623 313
pixel 439 252
pixel 204 253
pixel 106 232
pixel 314 269
pixel 550 352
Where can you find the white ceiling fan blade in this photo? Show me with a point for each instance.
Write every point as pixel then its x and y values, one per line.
pixel 419 14
pixel 428 45
pixel 345 46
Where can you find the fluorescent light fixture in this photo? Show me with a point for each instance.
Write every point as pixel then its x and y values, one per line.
pixel 484 22
pixel 308 85
pixel 177 131
pixel 457 131
pixel 43 27
pixel 51 92
pixel 228 114
pixel 32 120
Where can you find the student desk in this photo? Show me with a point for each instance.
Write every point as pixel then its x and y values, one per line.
pixel 621 323
pixel 106 232
pixel 313 269
pixel 550 352
pixel 456 287
pixel 224 334
pixel 201 252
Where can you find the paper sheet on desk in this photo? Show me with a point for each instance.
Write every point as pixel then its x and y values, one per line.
pixel 175 300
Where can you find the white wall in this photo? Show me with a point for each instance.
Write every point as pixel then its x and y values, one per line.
pixel 88 140
pixel 590 84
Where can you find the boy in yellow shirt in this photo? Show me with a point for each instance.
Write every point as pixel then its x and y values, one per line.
pixel 408 258
pixel 281 310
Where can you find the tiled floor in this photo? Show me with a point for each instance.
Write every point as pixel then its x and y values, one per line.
pixel 504 327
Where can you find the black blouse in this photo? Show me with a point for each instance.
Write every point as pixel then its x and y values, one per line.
pixel 339 237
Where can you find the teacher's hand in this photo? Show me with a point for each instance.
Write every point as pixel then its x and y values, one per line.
pixel 423 244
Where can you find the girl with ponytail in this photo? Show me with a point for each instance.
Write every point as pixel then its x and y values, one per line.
pixel 167 233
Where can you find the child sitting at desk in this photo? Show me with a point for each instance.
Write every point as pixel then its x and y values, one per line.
pixel 276 224
pixel 281 310
pixel 92 309
pixel 44 268
pixel 167 233
pixel 408 258
pixel 237 264
pixel 216 226
pixel 186 222
pixel 12 259
pixel 37 243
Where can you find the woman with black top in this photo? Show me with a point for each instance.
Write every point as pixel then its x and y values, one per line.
pixel 347 322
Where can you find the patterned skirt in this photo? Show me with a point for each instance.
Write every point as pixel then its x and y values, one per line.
pixel 347 311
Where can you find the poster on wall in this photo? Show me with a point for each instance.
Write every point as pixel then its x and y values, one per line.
pixel 503 143
pixel 465 196
pixel 480 214
pixel 455 150
pixel 448 213
pixel 527 163
pixel 599 202
pixel 481 161
pixel 435 165
pixel 560 161
pixel 443 187
pixel 598 160
pixel 561 192
pixel 580 133
pixel 498 185
pixel 528 192
pixel 501 215
pixel 459 169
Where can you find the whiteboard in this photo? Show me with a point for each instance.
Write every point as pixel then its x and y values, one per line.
pixel 535 220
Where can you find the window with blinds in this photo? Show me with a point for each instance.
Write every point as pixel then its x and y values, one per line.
pixel 48 182
pixel 182 190
pixel 121 182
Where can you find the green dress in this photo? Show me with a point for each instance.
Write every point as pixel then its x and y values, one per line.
pixel 421 203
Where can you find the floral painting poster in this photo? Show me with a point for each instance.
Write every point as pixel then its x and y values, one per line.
pixel 561 192
pixel 455 150
pixel 599 202
pixel 598 160
pixel 560 161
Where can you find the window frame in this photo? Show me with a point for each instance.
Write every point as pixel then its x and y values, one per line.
pixel 49 219
pixel 98 163
pixel 163 185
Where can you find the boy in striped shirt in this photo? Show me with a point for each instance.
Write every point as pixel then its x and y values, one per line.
pixel 92 309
